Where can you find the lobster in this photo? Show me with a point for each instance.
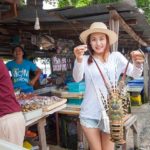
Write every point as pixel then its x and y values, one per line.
pixel 116 112
pixel 116 106
pixel 119 103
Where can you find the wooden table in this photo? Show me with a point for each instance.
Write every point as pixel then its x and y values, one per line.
pixel 44 90
pixel 130 123
pixel 66 94
pixel 41 122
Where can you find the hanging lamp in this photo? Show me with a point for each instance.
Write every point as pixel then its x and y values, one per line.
pixel 37 22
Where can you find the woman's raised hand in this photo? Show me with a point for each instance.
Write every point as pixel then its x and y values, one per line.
pixel 138 58
pixel 79 52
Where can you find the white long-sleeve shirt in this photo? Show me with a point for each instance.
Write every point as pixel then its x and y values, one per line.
pixel 111 69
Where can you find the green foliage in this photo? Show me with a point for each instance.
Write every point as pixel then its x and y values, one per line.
pixel 82 3
pixel 22 2
pixel 145 5
pixel 104 1
pixel 76 3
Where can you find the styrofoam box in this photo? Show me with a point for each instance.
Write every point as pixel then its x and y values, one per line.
pixel 4 145
pixel 32 114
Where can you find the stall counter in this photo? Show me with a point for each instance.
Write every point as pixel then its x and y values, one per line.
pixel 41 122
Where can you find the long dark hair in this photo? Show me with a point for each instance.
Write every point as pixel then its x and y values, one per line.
pixel 90 60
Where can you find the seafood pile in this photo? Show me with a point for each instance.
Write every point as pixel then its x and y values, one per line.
pixel 31 102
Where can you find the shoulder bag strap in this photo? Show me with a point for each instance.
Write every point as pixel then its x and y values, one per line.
pixel 105 120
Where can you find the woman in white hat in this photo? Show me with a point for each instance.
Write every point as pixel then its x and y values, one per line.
pixel 98 39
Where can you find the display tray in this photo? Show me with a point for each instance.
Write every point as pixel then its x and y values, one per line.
pixel 32 114
pixel 54 105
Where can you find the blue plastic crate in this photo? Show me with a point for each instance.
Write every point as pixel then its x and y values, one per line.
pixel 76 86
pixel 136 85
pixel 74 101
pixel 136 82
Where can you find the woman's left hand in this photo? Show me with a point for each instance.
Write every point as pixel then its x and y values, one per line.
pixel 137 58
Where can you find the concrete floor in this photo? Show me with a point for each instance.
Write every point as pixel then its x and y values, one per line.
pixel 54 147
pixel 143 125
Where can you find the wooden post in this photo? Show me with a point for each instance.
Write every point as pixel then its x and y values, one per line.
pixel 149 77
pixel 12 1
pixel 146 79
pixel 135 135
pixel 114 26
pixel 41 132
pixel 57 128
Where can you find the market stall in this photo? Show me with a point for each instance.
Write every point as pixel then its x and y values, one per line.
pixel 36 109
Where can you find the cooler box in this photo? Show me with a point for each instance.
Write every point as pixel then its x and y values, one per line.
pixel 76 86
pixel 74 101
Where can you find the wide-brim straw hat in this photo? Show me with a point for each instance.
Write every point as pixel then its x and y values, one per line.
pixel 100 28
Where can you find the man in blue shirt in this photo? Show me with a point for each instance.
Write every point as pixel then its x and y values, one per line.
pixel 20 69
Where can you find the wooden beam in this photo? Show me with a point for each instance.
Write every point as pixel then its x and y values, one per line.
pixel 123 34
pixel 80 26
pixel 131 21
pixel 12 1
pixel 127 28
pixel 45 26
pixel 3 31
pixel 11 13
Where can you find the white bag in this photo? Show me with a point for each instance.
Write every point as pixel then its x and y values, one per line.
pixel 104 122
